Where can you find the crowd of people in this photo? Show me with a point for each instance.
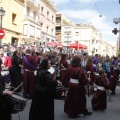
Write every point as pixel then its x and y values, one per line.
pixel 79 72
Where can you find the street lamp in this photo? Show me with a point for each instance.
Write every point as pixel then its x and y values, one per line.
pixel 2 13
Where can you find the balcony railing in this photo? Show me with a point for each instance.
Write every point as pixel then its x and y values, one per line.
pixel 30 1
pixel 36 4
pixel 58 30
pixel 58 21
pixel 30 18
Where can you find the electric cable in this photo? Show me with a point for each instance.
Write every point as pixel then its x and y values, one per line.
pixel 97 8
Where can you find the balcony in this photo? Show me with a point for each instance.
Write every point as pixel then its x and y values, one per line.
pixel 30 18
pixel 30 2
pixel 58 31
pixel 36 5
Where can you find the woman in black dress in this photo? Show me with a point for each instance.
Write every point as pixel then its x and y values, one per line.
pixel 4 110
pixel 15 71
pixel 42 107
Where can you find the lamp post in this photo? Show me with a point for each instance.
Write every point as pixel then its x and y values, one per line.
pixel 2 13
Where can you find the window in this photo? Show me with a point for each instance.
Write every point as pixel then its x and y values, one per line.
pixel 77 33
pixel 32 31
pixel 34 15
pixel 51 31
pixel 25 29
pixel 13 17
pixel 52 18
pixel 38 33
pixel 41 25
pixel 28 11
pixel 42 10
pixel 58 20
pixel 47 29
pixel 48 14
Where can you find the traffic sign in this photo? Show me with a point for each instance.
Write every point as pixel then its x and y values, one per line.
pixel 2 34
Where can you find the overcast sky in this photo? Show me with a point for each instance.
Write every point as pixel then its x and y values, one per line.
pixel 88 11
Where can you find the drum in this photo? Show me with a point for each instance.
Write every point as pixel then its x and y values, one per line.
pixel 6 76
pixel 16 103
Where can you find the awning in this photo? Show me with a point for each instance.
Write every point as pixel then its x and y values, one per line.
pixel 77 46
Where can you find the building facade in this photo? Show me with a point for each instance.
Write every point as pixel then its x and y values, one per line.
pixel 39 21
pixel 61 22
pixel 31 24
pixel 12 20
pixel 47 16
pixel 68 32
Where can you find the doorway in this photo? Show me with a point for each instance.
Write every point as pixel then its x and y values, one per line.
pixel 13 40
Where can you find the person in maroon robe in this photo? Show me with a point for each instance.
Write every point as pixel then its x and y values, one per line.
pixel 75 103
pixel 99 100
pixel 113 79
pixel 63 66
pixel 28 77
pixel 89 72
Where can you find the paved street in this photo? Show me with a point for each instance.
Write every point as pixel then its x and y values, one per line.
pixel 112 112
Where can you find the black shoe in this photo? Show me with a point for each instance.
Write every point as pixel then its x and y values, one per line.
pixel 73 116
pixel 95 109
pixel 26 96
pixel 87 113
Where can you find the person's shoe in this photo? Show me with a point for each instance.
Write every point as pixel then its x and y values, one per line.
pixel 113 93
pixel 102 109
pixel 87 113
pixel 73 116
pixel 95 109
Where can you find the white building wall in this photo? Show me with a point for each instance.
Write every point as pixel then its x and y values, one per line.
pixel 67 34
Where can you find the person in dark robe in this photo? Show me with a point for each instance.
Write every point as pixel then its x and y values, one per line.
pixel 15 71
pixel 29 66
pixel 42 107
pixel 4 109
pixel 75 103
pixel 113 80
pixel 99 100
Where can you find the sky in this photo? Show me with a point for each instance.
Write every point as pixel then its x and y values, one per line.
pixel 89 11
